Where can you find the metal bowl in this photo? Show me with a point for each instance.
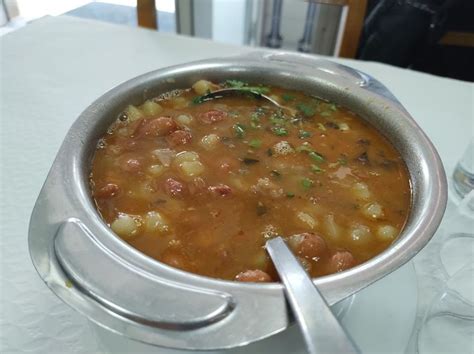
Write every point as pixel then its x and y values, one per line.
pixel 116 286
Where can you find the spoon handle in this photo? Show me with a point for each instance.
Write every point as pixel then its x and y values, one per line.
pixel 321 330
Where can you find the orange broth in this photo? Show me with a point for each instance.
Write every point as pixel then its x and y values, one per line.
pixel 202 185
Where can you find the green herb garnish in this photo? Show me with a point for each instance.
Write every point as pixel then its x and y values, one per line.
pixel 305 147
pixel 316 169
pixel 244 87
pixel 287 97
pixel 321 127
pixel 326 114
pixel 280 131
pixel 290 195
pixel 307 110
pixel 198 99
pixel 307 183
pixel 255 143
pixel 304 134
pixel 315 156
pixel 239 130
pixel 255 120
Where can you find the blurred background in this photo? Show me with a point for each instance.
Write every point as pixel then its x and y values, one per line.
pixel 434 36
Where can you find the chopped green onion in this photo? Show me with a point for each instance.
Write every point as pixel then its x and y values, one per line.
pixel 280 131
pixel 255 143
pixel 307 183
pixel 307 110
pixel 304 134
pixel 326 114
pixel 321 127
pixel 287 97
pixel 290 195
pixel 244 87
pixel 255 120
pixel 316 169
pixel 305 147
pixel 239 130
pixel 249 161
pixel 315 156
pixel 198 99
pixel 235 83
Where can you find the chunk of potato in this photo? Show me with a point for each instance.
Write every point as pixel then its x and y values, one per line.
pixel 387 232
pixel 306 220
pixel 151 108
pixel 186 156
pixel 373 210
pixel 133 113
pixel 184 119
pixel 202 87
pixel 330 226
pixel 125 226
pixel 155 222
pixel 343 126
pixel 209 142
pixel 156 170
pixel 179 102
pixel 361 191
pixel 191 169
pixel 360 233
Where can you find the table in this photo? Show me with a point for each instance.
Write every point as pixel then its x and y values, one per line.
pixel 53 68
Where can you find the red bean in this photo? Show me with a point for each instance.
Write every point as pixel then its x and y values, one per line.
pixel 160 126
pixel 174 188
pixel 253 275
pixel 179 137
pixel 107 191
pixel 211 117
pixel 308 245
pixel 342 260
pixel 221 190
pixel 131 165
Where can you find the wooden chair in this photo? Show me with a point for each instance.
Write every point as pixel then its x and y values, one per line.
pixel 461 39
pixel 146 14
pixel 351 24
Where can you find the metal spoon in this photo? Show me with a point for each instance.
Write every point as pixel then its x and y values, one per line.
pixel 321 329
pixel 226 92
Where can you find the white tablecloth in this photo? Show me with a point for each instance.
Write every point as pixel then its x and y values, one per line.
pixel 52 69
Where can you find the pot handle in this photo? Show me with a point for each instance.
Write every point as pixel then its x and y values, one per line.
pixel 135 295
pixel 312 65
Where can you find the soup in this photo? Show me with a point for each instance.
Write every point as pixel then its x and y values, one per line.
pixel 201 184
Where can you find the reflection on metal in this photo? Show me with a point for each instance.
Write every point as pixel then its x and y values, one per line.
pixel 274 39
pixel 305 44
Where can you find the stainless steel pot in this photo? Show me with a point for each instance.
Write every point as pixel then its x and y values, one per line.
pixel 114 285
